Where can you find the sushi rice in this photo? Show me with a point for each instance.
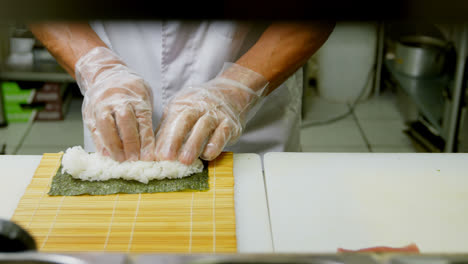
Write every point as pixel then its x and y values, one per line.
pixel 95 167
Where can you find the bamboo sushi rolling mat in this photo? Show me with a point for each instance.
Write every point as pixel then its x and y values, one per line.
pixel 175 222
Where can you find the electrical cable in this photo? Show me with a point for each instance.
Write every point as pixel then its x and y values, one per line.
pixel 351 106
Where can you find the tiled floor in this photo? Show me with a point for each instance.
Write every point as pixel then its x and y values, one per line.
pixel 45 136
pixel 375 126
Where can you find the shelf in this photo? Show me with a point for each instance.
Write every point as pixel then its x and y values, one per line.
pixel 426 93
pixel 36 76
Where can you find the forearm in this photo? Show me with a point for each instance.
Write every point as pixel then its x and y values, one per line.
pixel 67 42
pixel 283 48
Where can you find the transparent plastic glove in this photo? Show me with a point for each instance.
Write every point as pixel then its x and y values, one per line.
pixel 117 106
pixel 201 120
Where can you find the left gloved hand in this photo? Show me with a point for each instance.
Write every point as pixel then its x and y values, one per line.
pixel 201 120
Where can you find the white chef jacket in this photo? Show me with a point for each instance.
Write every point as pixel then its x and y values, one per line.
pixel 171 55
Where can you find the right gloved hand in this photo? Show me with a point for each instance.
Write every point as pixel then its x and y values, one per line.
pixel 117 106
pixel 200 120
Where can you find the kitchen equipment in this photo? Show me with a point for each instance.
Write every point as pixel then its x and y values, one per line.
pixel 421 56
pixel 348 53
pixel 175 222
pixel 21 45
pixel 426 95
pixel 406 106
pixel 321 201
pixel 424 137
pixel 21 55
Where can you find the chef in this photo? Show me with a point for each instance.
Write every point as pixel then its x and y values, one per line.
pixel 206 86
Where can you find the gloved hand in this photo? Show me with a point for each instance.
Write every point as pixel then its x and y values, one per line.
pixel 117 106
pixel 201 120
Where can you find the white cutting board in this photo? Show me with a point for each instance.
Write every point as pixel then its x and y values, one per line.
pixel 321 201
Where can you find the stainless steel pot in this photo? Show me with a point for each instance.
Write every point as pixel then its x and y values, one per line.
pixel 421 56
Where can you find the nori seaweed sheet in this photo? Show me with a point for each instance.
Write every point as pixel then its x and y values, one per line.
pixel 64 184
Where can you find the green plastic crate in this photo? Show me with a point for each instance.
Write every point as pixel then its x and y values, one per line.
pixel 14 96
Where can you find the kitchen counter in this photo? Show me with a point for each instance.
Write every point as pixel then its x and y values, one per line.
pixel 318 202
pixel 252 221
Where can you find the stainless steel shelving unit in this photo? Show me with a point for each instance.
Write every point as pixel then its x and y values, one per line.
pixel 426 93
pixel 458 90
pixel 36 76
